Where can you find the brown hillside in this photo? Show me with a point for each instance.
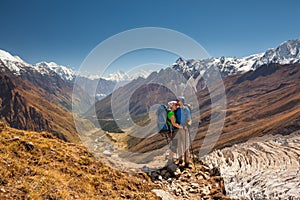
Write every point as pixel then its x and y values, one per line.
pixel 265 101
pixel 25 106
pixel 39 166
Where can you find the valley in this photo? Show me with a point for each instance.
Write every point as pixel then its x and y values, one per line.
pixel 88 127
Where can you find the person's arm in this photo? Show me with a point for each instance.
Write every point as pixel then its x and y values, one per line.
pixel 188 117
pixel 172 119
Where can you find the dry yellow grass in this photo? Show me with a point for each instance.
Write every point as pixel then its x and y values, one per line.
pixel 39 166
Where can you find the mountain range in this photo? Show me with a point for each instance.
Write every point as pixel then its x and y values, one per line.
pixel 53 83
pixel 286 53
pixel 260 90
pixel 262 93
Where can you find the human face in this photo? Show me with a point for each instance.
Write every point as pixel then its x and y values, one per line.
pixel 180 103
pixel 174 107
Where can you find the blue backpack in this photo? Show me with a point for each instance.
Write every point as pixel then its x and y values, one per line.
pixel 162 118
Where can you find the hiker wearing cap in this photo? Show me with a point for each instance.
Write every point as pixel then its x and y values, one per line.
pixel 183 117
pixel 172 123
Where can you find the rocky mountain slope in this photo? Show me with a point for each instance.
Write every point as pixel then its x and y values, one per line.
pixel 25 106
pixel 262 168
pixel 260 102
pixel 265 101
pixel 38 97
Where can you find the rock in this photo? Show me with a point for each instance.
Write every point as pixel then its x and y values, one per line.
pixel 133 170
pixel 218 196
pixel 172 168
pixel 262 168
pixel 191 190
pixel 177 191
pixel 15 138
pixel 3 190
pixel 177 173
pixel 205 190
pixel 164 195
pixel 205 168
pixel 28 145
pixel 188 175
pixel 195 185
pixel 115 156
pixel 215 171
pixel 107 153
pixel 205 176
pixel 217 178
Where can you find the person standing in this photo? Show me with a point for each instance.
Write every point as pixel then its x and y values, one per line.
pixel 183 118
pixel 173 125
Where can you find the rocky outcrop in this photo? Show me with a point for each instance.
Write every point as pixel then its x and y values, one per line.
pixel 201 182
pixel 261 169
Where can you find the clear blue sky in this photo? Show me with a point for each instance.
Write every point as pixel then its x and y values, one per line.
pixel 65 31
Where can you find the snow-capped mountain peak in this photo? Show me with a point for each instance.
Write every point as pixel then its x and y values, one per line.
pixel 286 53
pixel 118 76
pixel 64 72
pixel 227 65
pixel 4 55
pixel 17 66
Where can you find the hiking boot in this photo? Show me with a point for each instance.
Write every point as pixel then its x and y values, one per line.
pixel 181 165
pixel 188 165
pixel 179 162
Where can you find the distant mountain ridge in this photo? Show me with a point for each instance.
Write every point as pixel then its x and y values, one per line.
pixel 17 66
pixel 286 53
pixel 64 72
pixel 119 75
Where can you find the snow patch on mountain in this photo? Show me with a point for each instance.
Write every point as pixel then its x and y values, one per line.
pixel 8 57
pixel 286 53
pixel 64 72
pixel 13 63
pixel 226 65
pixel 16 65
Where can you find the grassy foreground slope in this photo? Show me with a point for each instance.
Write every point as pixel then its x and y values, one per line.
pixel 39 166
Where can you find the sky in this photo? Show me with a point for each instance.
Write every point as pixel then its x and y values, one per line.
pixel 66 31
